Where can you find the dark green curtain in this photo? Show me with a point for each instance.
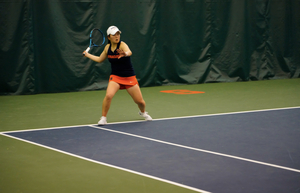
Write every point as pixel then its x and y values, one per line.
pixel 173 42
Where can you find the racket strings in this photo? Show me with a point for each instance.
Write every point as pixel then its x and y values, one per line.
pixel 97 38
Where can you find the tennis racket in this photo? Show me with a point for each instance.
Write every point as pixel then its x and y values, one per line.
pixel 97 39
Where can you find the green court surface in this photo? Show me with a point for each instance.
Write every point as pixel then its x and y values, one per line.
pixel 29 168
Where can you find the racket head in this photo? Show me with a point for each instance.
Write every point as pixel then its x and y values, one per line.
pixel 97 38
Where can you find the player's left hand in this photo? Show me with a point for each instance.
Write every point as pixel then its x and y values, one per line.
pixel 121 53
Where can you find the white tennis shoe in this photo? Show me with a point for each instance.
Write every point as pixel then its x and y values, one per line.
pixel 145 115
pixel 103 121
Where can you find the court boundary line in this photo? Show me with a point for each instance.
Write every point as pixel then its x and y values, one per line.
pixel 108 165
pixel 209 115
pixel 159 119
pixel 200 150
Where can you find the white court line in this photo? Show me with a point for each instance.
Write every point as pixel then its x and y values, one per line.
pixel 160 119
pixel 200 150
pixel 43 129
pixel 109 165
pixel 209 115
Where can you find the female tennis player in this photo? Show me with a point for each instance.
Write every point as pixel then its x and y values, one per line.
pixel 122 73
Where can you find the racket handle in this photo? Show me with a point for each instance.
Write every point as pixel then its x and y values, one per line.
pixel 87 51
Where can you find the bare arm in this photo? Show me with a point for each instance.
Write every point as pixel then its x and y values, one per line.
pixel 98 59
pixel 124 50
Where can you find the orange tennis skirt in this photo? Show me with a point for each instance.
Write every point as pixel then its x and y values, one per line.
pixel 124 82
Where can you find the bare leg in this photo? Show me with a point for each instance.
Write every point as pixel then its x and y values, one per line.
pixel 137 97
pixel 111 90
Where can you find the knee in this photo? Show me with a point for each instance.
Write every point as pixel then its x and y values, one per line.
pixel 109 97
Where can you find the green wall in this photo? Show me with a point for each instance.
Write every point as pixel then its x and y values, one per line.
pixel 173 42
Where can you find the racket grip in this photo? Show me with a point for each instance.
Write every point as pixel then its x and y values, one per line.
pixel 87 51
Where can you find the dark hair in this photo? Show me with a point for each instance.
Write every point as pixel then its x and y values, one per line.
pixel 108 41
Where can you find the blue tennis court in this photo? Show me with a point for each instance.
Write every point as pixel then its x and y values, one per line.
pixel 255 151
